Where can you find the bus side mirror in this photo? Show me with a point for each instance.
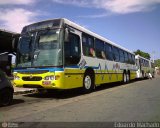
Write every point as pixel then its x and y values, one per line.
pixel 66 36
pixel 13 43
pixel 15 40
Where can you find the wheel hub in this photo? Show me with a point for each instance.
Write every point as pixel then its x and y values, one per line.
pixel 87 82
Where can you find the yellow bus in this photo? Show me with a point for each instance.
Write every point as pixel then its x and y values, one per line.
pixel 59 54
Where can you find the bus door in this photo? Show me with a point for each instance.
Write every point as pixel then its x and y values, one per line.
pixel 72 56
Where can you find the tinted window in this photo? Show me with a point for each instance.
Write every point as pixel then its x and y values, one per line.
pixel 88 45
pixel 147 63
pixel 133 59
pixel 116 54
pixel 108 51
pixel 126 57
pixel 129 58
pixel 122 56
pixel 141 62
pixel 99 47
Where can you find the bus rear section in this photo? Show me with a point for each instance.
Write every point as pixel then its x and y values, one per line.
pixel 143 67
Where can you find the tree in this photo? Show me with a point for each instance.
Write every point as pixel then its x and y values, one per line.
pixel 157 63
pixel 143 54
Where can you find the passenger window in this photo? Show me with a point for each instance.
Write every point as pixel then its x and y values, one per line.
pixel 99 46
pixel 126 57
pixel 72 50
pixel 88 45
pixel 116 54
pixel 130 58
pixel 122 56
pixel 108 51
pixel 133 59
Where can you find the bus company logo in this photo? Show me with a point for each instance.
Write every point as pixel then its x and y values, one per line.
pixel 4 125
pixel 31 76
pixel 82 64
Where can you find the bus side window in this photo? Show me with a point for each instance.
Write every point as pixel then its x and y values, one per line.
pixel 88 45
pixel 130 58
pixel 126 57
pixel 116 54
pixel 99 46
pixel 72 50
pixel 133 59
pixel 121 56
pixel 108 51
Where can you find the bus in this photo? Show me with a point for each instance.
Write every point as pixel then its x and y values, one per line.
pixel 60 54
pixel 152 70
pixel 144 67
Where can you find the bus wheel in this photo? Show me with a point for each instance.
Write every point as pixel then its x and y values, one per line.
pixel 88 84
pixel 128 77
pixel 124 77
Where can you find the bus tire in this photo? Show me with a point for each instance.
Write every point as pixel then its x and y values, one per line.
pixel 128 77
pixel 88 83
pixel 124 78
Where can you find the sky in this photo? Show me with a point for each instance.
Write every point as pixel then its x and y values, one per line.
pixel 133 24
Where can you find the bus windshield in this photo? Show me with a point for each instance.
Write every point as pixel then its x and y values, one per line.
pixel 43 48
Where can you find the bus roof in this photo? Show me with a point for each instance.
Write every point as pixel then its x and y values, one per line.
pixel 70 23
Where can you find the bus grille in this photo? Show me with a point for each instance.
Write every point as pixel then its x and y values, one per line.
pixel 34 78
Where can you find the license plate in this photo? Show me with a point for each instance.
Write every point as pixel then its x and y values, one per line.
pixel 46 82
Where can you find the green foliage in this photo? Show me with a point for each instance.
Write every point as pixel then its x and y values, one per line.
pixel 157 63
pixel 143 54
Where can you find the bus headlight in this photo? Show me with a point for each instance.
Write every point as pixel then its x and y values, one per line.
pixel 16 78
pixel 49 78
pixel 52 77
pixel 46 78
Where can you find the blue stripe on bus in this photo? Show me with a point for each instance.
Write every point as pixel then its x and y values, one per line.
pixel 51 69
pixel 40 69
pixel 76 66
pixel 91 67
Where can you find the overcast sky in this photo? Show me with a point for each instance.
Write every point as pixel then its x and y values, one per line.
pixel 134 24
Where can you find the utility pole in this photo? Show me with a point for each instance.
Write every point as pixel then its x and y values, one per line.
pixel 153 54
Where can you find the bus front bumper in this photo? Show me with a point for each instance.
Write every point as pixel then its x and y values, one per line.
pixel 26 81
